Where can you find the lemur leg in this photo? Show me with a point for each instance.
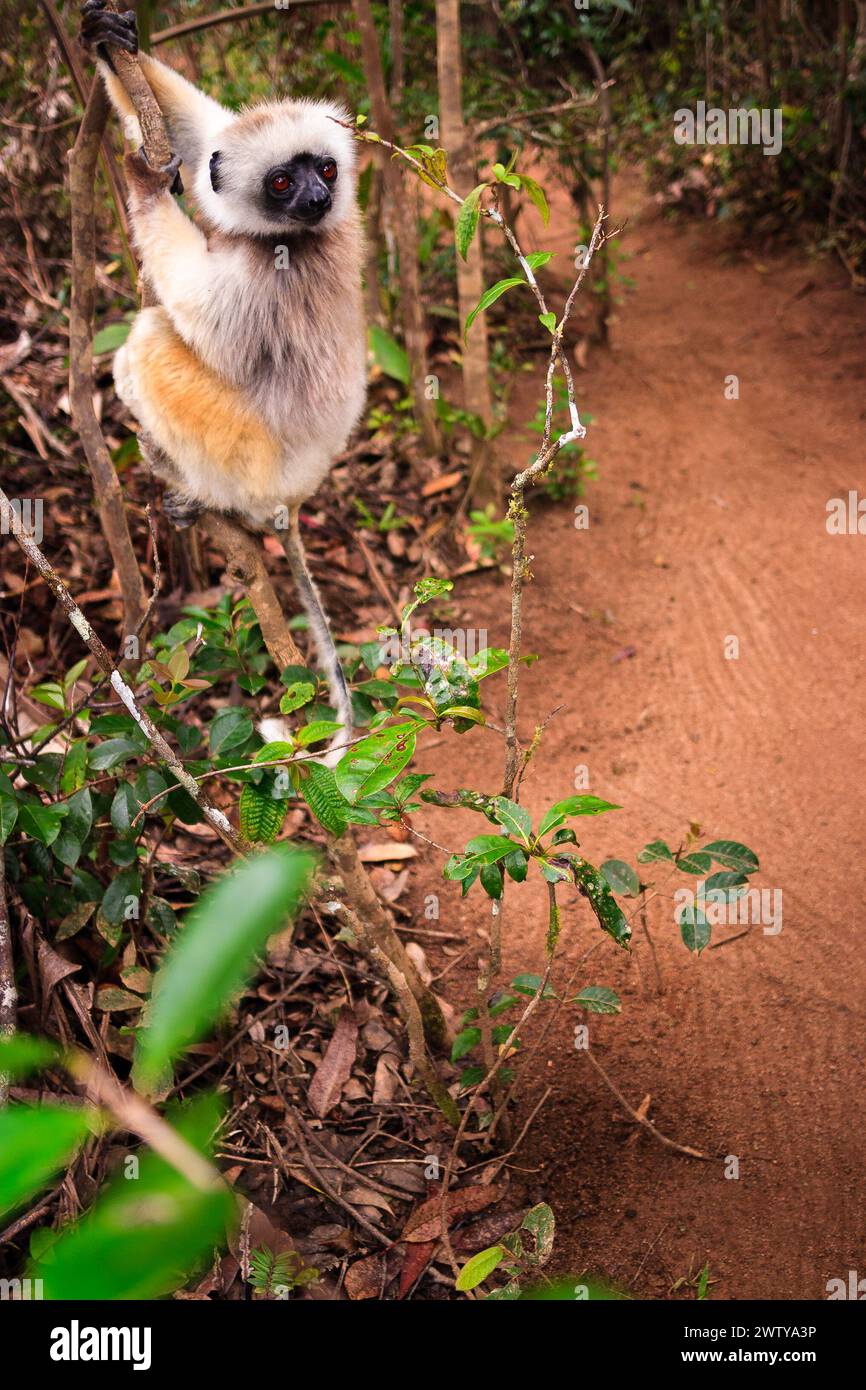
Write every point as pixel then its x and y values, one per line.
pixel 182 511
pixel 321 629
pixel 211 447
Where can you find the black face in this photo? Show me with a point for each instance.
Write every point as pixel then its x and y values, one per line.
pixel 300 188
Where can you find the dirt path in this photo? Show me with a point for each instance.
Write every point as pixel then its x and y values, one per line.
pixel 708 521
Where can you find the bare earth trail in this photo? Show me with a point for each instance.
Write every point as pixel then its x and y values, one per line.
pixel 708 521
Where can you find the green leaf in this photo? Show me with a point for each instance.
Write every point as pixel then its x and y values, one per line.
pixel 516 865
pixel 598 1000
pixel 487 849
pixel 491 880
pixel 50 694
pixel 549 321
pixel 75 828
pixel 388 355
pixel 696 863
pixel 299 693
pixel 375 761
pixel 607 910
pixel 467 220
pixel 316 731
pixel 515 818
pixel 464 1043
pixel 260 815
pixel 490 297
pixel 36 1141
pixel 655 851
pixel 124 808
pixel 694 929
pixel 74 772
pixel 114 902
pixel 621 877
pixel 8 816
pixel 214 954
pixel 530 984
pixel 539 1221
pixel 22 1054
pixel 573 806
pixel 426 589
pixel 462 715
pixel 230 728
pixel 328 805
pixel 110 338
pixel 725 881
pixel 479 1268
pixel 43 823
pixel 732 855
pixel 144 1236
pixel 487 662
pixel 114 751
pixel 448 681
pixel 536 259
pixel 538 196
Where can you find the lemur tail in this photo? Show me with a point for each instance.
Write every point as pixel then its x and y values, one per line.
pixel 272 729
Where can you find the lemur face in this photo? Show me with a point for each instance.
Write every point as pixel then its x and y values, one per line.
pixel 281 168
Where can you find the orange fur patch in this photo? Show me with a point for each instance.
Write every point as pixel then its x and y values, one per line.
pixel 207 416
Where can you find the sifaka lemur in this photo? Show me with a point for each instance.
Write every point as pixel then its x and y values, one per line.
pixel 249 375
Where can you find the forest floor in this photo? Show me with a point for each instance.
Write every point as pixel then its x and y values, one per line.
pixel 708 521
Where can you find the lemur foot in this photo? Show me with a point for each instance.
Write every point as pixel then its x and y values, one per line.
pixel 103 29
pixel 180 510
pixel 147 179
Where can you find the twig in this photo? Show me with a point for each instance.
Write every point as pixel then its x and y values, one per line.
pixel 8 992
pixel 641 1119
pixel 106 484
pixel 207 21
pixel 310 1164
pixel 136 1117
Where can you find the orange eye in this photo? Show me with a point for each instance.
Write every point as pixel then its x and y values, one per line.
pixel 329 171
pixel 280 183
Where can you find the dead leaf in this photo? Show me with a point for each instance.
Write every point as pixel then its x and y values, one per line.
pixel 384 854
pixel 415 1261
pixel 369 1277
pixel 335 1067
pixel 52 969
pixel 419 960
pixel 425 1222
pixel 489 1230
pixel 443 484
pixel 385 1082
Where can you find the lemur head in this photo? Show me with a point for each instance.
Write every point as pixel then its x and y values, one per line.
pixel 277 169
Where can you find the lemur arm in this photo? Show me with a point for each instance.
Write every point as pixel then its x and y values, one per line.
pixel 191 117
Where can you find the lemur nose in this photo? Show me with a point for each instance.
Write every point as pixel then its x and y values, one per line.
pixel 319 200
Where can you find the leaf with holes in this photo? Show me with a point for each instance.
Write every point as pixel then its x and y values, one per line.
pixel 374 762
pixel 598 999
pixel 731 855
pixel 621 877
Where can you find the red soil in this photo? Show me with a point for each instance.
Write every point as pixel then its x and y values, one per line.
pixel 708 520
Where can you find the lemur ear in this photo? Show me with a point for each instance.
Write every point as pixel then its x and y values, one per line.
pixel 215 171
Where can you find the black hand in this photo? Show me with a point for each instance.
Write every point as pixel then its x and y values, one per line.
pixel 103 28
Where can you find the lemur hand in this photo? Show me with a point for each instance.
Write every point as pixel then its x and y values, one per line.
pixel 103 28
pixel 149 182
